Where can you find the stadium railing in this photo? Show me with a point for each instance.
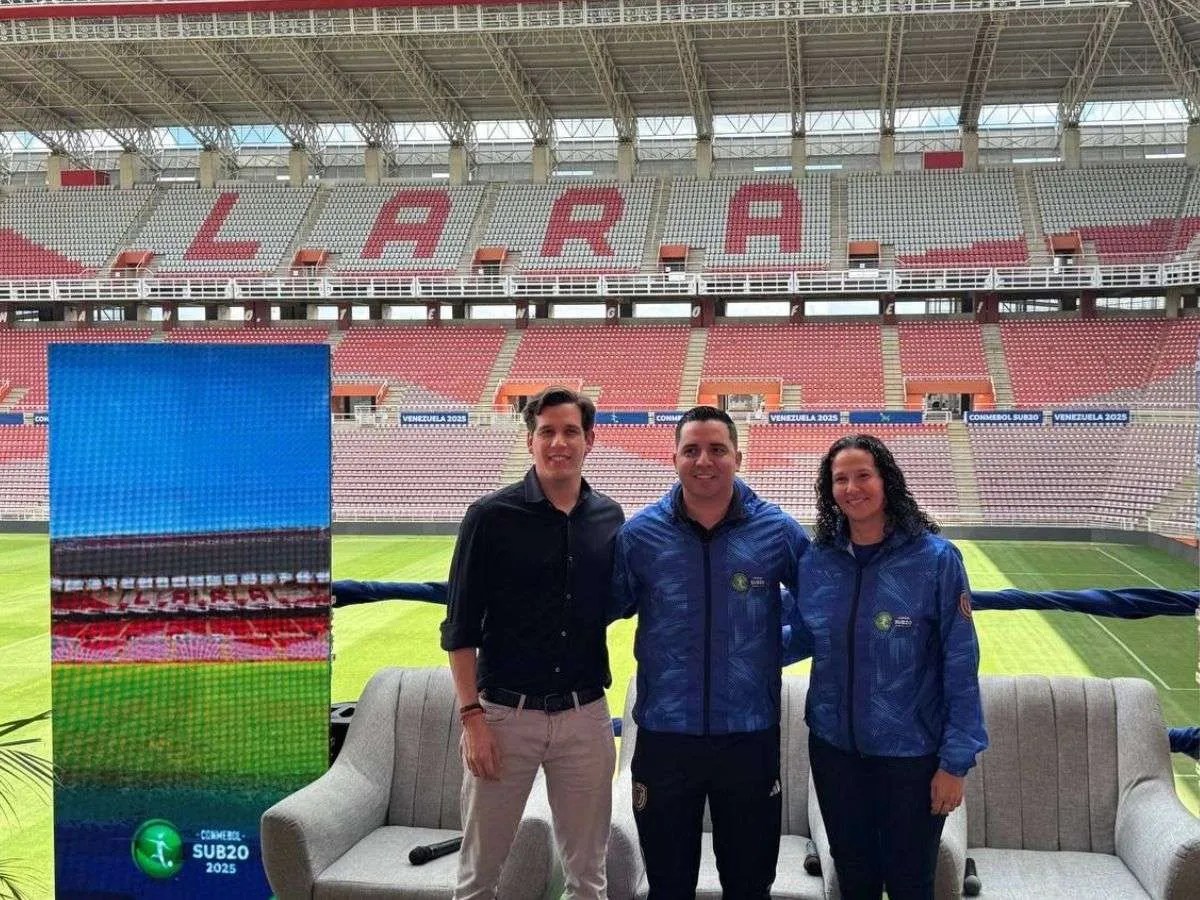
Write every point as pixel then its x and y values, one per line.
pixel 657 285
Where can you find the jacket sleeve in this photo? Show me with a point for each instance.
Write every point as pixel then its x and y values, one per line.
pixel 1121 603
pixel 623 597
pixel 797 547
pixel 963 734
pixel 466 601
pixel 797 639
pixel 349 593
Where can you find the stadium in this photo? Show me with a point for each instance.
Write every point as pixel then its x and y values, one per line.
pixel 971 227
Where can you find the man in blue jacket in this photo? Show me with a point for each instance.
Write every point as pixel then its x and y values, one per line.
pixel 702 569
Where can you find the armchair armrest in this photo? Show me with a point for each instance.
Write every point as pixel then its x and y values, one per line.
pixel 816 827
pixel 952 856
pixel 1159 840
pixel 533 859
pixel 626 871
pixel 306 831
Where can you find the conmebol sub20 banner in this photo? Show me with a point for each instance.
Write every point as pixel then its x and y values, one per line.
pixel 190 609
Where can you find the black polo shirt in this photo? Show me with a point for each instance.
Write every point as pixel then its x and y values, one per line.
pixel 529 586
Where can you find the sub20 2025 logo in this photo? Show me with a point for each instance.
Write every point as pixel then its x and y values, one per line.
pixel 157 849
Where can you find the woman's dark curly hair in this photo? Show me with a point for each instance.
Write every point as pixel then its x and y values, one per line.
pixel 898 504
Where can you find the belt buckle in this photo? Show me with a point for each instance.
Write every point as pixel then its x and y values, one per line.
pixel 555 702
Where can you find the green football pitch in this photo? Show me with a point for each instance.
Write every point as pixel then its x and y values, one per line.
pixel 369 637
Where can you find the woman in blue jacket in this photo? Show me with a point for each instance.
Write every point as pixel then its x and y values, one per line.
pixel 893 711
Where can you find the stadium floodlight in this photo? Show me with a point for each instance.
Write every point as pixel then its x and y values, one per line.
pixel 782 168
pixel 440 175
pixel 1025 160
pixel 1177 155
pixel 822 167
pixel 572 173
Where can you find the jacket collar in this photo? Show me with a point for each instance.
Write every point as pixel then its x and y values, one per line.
pixel 892 538
pixel 743 498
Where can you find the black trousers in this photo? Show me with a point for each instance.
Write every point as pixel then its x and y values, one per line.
pixel 738 774
pixel 876 812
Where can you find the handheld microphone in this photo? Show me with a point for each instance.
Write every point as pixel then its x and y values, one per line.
pixel 812 862
pixel 971 883
pixel 424 853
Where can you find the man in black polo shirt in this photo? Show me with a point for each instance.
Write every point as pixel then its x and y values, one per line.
pixel 525 629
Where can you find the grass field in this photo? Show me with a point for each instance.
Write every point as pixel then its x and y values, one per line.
pixel 368 637
pixel 208 732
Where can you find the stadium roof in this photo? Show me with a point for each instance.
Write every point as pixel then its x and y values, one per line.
pixel 129 69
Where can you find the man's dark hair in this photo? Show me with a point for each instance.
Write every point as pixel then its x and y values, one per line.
pixel 706 414
pixel 557 395
pixel 899 505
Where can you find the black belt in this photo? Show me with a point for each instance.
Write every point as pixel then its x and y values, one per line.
pixel 544 702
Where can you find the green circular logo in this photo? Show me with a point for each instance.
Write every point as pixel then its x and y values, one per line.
pixel 883 620
pixel 158 849
pixel 740 582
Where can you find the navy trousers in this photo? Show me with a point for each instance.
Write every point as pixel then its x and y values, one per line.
pixel 738 774
pixel 876 812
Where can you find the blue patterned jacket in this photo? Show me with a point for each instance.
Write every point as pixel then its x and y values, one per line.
pixel 895 658
pixel 709 612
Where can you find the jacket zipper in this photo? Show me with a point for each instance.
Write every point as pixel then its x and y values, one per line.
pixel 707 631
pixel 850 630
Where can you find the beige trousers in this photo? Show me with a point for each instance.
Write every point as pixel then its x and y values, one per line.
pixel 577 751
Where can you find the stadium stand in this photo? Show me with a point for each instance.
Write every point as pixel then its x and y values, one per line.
pixel 639 366
pixel 1127 212
pixel 1148 468
pixel 941 349
pixel 1098 473
pixel 430 365
pixel 939 218
pixel 782 462
pixel 592 227
pixel 838 365
pixel 1132 475
pixel 23 354
pixel 1101 362
pixel 396 229
pixel 64 233
pixel 1173 377
pixel 236 333
pixel 224 231
pixel 745 224
pixel 632 463
pixel 416 472
pixel 211 639
pixel 23 485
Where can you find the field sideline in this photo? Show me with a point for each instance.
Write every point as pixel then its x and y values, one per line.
pixel 368 637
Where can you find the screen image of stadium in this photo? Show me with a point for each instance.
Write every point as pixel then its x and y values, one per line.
pixel 173 695
pixel 306 262
pixel 190 651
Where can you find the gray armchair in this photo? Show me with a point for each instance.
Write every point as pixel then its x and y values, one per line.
pixel 626 873
pixel 1075 797
pixel 395 785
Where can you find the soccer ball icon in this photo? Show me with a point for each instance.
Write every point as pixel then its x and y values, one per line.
pixel 158 849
